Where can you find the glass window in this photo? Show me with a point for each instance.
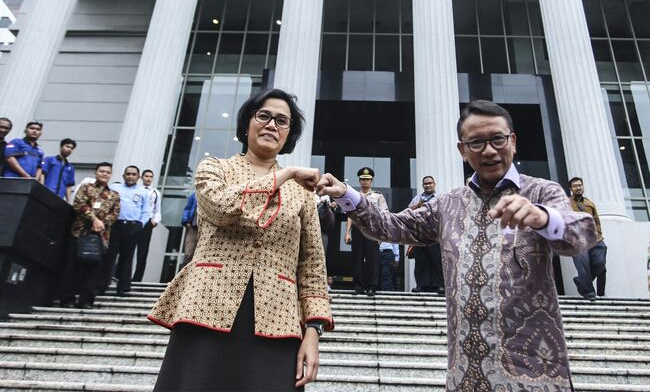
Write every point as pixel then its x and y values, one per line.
pixel 179 162
pixel 541 57
pixel 644 49
pixel 641 108
pixel 361 16
pixel 335 16
pixel 277 12
pixel 387 53
pixel 468 58
pixel 254 53
pixel 211 15
pixel 617 111
pixel 190 102
pixel 631 175
pixel 494 55
pixel 229 53
pixel 616 17
pixel 260 15
pixel 535 18
pixel 516 18
pixel 407 16
pixel 639 210
pixel 629 67
pixel 643 162
pixel 634 125
pixel 521 56
pixel 489 17
pixel 203 53
pixel 235 17
pixel 594 16
pixel 360 54
pixel 387 16
pixel 273 51
pixel 333 52
pixel 407 54
pixel 465 17
pixel 639 11
pixel 603 58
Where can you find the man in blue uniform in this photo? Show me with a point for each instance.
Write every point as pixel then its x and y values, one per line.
pixel 58 173
pixel 135 212
pixel 23 157
pixel 5 128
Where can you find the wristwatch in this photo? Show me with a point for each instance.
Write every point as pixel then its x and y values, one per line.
pixel 317 325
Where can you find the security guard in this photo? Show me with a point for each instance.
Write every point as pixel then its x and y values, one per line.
pixel 23 157
pixel 365 252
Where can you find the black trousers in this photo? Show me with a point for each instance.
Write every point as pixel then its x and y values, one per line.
pixel 124 238
pixel 428 267
pixel 198 359
pixel 79 277
pixel 143 252
pixel 365 254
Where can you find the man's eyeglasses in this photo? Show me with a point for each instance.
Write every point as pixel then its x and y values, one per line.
pixel 264 117
pixel 497 142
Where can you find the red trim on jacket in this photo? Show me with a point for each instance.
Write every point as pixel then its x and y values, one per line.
pixel 288 279
pixel 224 330
pixel 269 196
pixel 213 265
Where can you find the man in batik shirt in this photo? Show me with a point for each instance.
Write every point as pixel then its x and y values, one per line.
pixel 96 208
pixel 497 236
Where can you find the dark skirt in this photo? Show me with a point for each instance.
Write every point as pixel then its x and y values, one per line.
pixel 199 359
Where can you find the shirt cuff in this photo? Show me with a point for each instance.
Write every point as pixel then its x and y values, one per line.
pixel 350 200
pixel 554 229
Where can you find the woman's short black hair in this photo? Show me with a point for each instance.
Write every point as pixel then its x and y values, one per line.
pixel 255 102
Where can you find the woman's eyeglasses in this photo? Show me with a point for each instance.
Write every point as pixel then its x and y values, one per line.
pixel 264 117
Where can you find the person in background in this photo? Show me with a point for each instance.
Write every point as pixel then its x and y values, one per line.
pixel 135 212
pixel 590 264
pixel 190 222
pixel 23 157
pixel 365 251
pixel 154 200
pixel 96 208
pixel 5 128
pixel 428 260
pixel 388 262
pixel 498 236
pixel 57 173
pixel 256 288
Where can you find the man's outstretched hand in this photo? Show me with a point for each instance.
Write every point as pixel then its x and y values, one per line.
pixel 331 186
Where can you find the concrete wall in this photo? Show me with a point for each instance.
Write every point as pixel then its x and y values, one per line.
pixel 90 83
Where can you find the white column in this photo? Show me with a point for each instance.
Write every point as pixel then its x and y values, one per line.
pixel 31 59
pixel 436 94
pixel 152 105
pixel 586 136
pixel 296 70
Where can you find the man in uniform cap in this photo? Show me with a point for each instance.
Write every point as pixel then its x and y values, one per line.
pixel 365 252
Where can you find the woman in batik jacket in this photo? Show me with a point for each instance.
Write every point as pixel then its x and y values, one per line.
pixel 247 312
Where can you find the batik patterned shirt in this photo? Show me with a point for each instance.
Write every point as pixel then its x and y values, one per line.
pixel 505 331
pixel 91 201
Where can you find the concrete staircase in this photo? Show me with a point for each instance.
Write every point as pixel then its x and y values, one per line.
pixel 392 342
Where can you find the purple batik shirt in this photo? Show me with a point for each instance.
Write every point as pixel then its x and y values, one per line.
pixel 504 325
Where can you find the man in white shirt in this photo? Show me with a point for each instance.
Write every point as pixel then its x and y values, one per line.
pixel 154 205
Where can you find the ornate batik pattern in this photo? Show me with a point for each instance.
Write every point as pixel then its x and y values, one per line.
pixel 504 326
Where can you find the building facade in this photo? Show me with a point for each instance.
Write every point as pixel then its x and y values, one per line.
pixel 381 82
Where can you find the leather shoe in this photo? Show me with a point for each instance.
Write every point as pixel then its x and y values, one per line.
pixel 416 289
pixel 371 292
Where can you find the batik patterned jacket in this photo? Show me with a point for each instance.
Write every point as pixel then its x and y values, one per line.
pixel 505 331
pixel 91 201
pixel 248 229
